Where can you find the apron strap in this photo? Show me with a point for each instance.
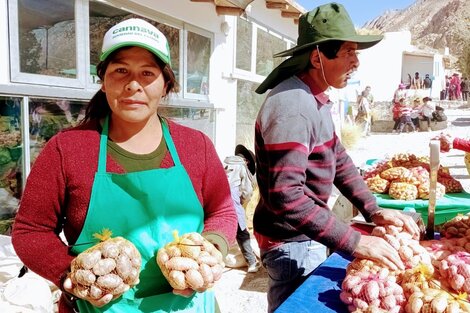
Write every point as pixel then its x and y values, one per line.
pixel 169 142
pixel 104 144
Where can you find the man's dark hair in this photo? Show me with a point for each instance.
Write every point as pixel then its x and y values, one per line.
pixel 330 48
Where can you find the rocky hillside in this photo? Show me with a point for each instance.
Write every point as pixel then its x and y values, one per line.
pixel 433 24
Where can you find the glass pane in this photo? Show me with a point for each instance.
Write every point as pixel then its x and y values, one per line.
pixel 266 46
pixel 202 119
pixel 47 37
pixel 244 38
pixel 103 17
pixel 10 160
pixel 49 116
pixel 199 51
pixel 248 105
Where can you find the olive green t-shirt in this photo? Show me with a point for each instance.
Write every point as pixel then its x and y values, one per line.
pixel 132 162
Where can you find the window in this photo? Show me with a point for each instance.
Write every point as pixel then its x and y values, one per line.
pixel 103 17
pixel 10 160
pixel 248 105
pixel 199 118
pixel 199 50
pixel 49 116
pixel 244 40
pixel 43 37
pixel 255 47
pixel 267 45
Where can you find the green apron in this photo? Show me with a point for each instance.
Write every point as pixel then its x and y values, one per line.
pixel 145 207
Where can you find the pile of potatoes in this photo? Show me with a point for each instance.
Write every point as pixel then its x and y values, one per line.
pixel 436 278
pixel 458 227
pixel 406 177
pixel 436 300
pixel 363 291
pixel 110 267
pixel 455 269
pixel 408 247
pixel 190 262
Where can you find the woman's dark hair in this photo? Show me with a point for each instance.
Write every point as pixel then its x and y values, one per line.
pixel 98 106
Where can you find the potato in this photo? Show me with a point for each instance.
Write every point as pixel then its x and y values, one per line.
pixel 190 261
pixel 111 266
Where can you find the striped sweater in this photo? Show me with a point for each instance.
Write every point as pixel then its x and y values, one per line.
pixel 299 159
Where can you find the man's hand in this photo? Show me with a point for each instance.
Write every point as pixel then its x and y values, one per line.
pixel 396 218
pixel 378 250
pixel 68 287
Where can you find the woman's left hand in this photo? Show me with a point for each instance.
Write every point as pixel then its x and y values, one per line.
pixel 396 218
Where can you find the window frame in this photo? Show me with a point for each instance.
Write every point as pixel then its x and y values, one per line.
pixel 81 30
pixel 83 81
pixel 251 74
pixel 190 28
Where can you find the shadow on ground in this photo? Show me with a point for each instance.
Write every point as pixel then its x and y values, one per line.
pixel 461 122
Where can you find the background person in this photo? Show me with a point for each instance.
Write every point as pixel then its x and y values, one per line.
pixel 426 111
pixel 405 118
pixel 363 117
pixel 240 169
pixel 127 169
pixel 299 158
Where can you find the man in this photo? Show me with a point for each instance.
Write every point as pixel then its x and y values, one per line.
pixel 299 158
pixel 416 82
pixel 369 95
pixel 427 82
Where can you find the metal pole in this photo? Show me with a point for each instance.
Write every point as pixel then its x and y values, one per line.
pixel 434 146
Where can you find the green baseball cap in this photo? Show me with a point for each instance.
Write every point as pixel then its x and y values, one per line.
pixel 325 23
pixel 136 32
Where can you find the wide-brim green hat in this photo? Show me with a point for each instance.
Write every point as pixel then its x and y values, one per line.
pixel 289 67
pixel 325 23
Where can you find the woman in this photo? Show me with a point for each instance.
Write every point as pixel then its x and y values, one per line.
pixel 129 170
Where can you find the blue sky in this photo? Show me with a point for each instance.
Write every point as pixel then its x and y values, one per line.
pixel 361 11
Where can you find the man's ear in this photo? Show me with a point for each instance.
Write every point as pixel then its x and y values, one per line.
pixel 315 58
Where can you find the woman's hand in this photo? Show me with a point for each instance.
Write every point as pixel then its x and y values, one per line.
pixel 378 250
pixel 68 287
pixel 396 218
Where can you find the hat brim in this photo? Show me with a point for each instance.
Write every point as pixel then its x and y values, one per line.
pixel 286 69
pixel 152 49
pixel 248 155
pixel 363 42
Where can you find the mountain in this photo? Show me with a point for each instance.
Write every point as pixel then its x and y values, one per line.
pixel 433 24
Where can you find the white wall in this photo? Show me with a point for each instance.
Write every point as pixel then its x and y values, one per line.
pixel 381 65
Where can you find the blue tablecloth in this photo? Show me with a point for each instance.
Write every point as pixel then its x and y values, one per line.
pixel 320 292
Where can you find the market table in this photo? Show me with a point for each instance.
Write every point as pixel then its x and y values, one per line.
pixel 320 291
pixel 447 207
